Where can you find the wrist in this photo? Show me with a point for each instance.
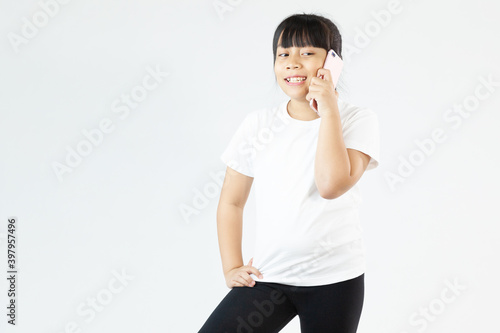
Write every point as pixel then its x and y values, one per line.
pixel 330 114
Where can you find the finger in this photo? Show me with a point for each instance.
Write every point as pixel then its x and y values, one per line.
pixel 316 81
pixel 308 97
pixel 253 270
pixel 237 284
pixel 238 281
pixel 311 95
pixel 326 73
pixel 249 280
pixel 257 273
pixel 246 280
pixel 326 81
pixel 315 87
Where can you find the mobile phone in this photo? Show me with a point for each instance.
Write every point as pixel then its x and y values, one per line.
pixel 334 63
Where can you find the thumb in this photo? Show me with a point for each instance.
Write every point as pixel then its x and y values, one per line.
pixel 250 262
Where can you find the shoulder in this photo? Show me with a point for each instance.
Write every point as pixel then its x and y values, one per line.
pixel 263 116
pixel 350 112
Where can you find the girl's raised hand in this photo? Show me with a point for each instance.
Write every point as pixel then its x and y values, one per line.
pixel 323 91
pixel 240 276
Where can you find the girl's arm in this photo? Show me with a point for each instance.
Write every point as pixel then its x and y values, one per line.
pixel 234 194
pixel 336 169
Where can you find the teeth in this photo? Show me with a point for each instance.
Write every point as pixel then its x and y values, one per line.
pixel 296 79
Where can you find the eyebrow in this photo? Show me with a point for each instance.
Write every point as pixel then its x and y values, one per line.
pixel 300 47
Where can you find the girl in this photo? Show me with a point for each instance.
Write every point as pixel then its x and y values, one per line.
pixel 309 254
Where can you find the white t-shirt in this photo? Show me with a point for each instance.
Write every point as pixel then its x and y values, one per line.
pixel 302 239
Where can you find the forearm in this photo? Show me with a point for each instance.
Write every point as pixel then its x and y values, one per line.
pixel 331 166
pixel 229 232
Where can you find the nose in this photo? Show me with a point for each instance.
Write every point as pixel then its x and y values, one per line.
pixel 293 62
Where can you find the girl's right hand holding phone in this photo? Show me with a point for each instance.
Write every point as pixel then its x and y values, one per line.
pixel 240 276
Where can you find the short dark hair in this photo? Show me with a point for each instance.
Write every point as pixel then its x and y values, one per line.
pixel 301 30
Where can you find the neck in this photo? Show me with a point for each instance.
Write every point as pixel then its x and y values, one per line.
pixel 301 110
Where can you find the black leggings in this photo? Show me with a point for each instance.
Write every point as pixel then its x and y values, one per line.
pixel 267 307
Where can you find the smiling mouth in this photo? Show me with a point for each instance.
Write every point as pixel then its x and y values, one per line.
pixel 295 79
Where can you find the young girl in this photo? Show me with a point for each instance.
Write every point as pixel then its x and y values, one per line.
pixel 309 254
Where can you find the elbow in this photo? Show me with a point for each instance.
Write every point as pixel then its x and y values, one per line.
pixel 330 192
pixel 330 195
pixel 333 189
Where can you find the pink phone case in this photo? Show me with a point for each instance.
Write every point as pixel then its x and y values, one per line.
pixel 334 64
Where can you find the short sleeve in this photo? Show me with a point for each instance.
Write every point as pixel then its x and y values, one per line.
pixel 361 132
pixel 239 153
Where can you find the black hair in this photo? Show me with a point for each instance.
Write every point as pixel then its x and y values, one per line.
pixel 308 30
pixel 301 30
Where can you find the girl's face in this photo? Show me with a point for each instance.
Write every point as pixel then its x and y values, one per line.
pixel 298 61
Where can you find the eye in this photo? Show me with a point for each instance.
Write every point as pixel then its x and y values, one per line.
pixel 302 53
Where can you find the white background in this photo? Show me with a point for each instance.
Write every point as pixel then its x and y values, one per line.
pixel 133 204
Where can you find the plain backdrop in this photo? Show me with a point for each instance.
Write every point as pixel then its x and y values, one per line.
pixel 123 237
